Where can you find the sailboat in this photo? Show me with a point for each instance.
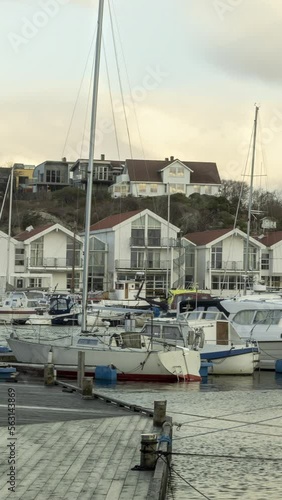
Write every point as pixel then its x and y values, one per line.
pixel 136 358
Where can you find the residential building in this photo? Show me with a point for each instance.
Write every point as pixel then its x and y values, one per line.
pixel 48 257
pixel 104 173
pixel 23 176
pixel 51 175
pixel 140 243
pixel 160 177
pixel 271 259
pixel 221 260
pixel 4 177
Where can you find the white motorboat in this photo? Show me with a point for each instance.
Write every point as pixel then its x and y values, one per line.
pixel 215 339
pixel 17 309
pixel 259 321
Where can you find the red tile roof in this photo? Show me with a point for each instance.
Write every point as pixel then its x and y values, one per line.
pixel 149 171
pixel 270 238
pixel 29 234
pixel 113 220
pixel 205 237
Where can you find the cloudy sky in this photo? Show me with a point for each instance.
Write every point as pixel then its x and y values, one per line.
pixel 191 72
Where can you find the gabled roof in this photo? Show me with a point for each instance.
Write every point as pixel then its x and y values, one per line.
pixel 26 235
pixel 205 237
pixel 150 171
pixel 201 238
pixel 113 220
pixel 271 238
pixel 48 228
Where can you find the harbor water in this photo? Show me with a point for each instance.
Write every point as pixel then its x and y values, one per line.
pixel 227 432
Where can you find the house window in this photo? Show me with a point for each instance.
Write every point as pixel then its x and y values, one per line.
pixel 275 281
pixel 153 188
pixel 53 176
pixel 19 257
pixel 177 188
pixel 265 261
pixel 138 237
pixel 137 259
pixel 216 256
pixel 35 283
pixel 208 190
pixel 154 237
pixel 197 189
pixel 101 173
pixel 154 260
pixel 73 281
pixel 252 258
pixel 73 252
pixel 176 171
pixel 141 188
pixel 36 253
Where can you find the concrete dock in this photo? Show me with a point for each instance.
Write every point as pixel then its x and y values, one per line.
pixel 70 448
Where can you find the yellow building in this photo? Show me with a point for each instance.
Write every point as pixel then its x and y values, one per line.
pixel 23 175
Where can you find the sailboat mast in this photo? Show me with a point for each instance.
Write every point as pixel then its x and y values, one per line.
pixel 9 226
pixel 250 200
pixel 90 164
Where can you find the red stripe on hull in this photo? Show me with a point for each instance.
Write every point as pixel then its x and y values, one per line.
pixel 133 377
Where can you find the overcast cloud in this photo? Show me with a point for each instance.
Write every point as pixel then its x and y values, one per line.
pixel 212 60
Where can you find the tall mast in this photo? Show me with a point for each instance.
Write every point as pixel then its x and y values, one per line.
pixel 9 227
pixel 90 165
pixel 250 200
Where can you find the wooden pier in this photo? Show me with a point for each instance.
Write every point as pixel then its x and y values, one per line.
pixel 68 447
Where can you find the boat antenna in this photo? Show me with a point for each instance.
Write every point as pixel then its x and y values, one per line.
pixel 90 164
pixel 250 198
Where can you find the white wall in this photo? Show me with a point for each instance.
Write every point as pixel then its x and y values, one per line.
pixel 277 259
pixel 4 257
pixel 55 245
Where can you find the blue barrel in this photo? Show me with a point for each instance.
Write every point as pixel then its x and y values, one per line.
pixel 278 366
pixel 4 348
pixel 107 373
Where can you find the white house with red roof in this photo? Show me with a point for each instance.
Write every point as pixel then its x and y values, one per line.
pixel 48 257
pixel 160 177
pixel 140 243
pixel 271 261
pixel 220 260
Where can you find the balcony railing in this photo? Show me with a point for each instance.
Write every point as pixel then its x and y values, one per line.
pixel 230 265
pixel 54 262
pixel 144 265
pixel 155 242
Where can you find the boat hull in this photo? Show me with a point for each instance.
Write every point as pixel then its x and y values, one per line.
pixel 131 364
pixel 15 315
pixel 234 361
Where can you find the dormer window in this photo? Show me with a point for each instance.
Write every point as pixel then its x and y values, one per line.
pixel 176 171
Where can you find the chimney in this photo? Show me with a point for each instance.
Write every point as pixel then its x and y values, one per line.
pixel 171 158
pixel 102 157
pixel 64 159
pixel 166 159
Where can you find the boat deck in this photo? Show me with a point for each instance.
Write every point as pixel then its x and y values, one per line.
pixel 70 448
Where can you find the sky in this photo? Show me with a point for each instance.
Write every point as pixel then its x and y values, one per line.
pixel 191 72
